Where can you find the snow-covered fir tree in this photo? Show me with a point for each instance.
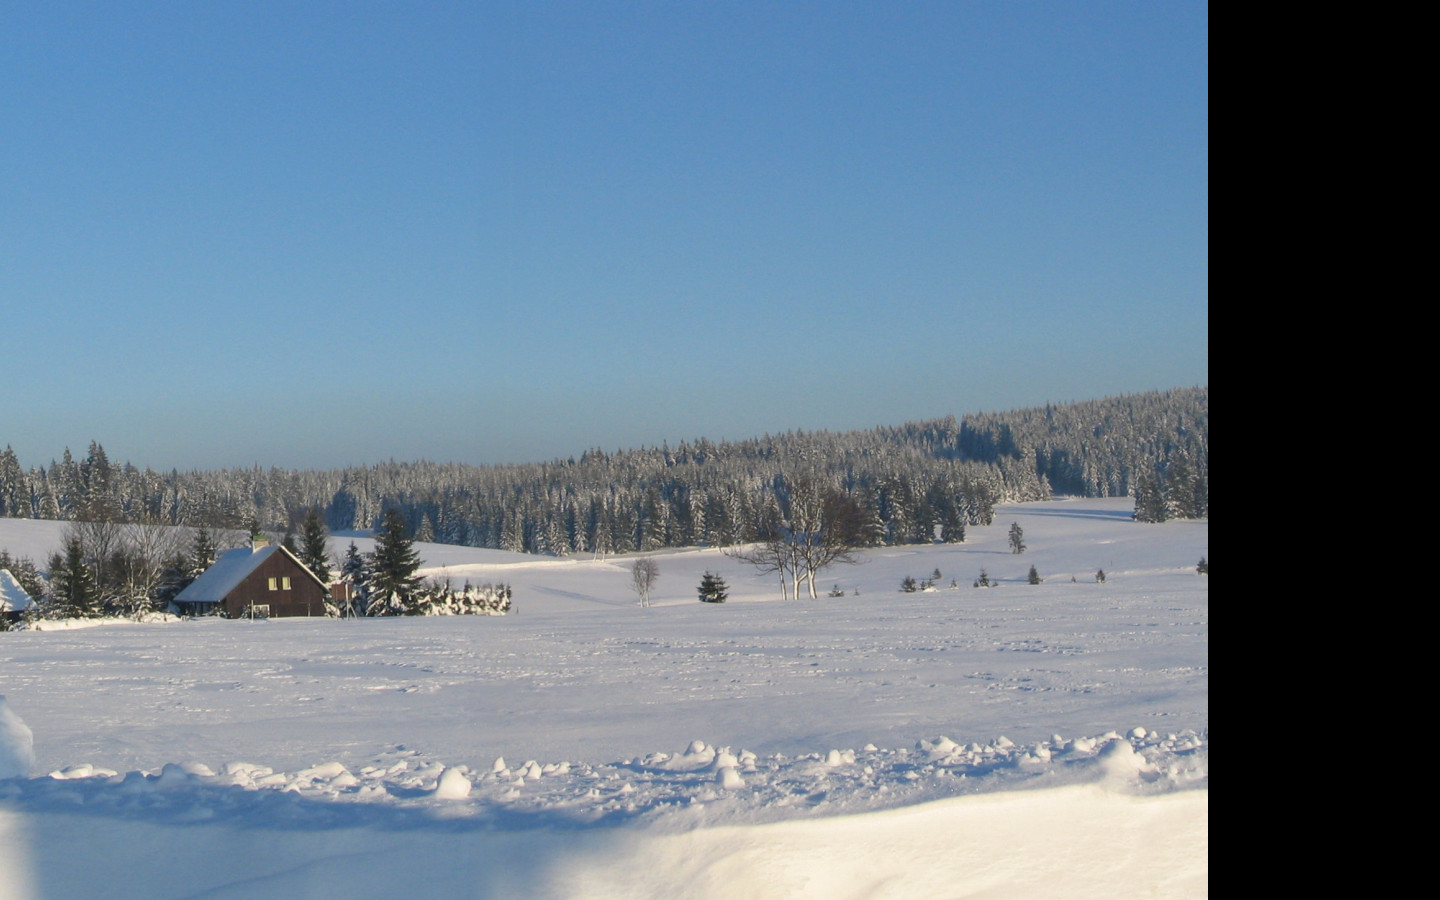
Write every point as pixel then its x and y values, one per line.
pixel 713 588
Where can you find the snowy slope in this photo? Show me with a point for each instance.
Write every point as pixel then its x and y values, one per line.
pixel 963 741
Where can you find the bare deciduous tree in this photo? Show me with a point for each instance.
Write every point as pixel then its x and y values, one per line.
pixel 820 527
pixel 127 560
pixel 643 575
pixel 147 550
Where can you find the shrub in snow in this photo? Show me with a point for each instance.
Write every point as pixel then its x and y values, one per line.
pixel 1034 576
pixel 1202 567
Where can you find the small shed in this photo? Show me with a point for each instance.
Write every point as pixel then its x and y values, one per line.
pixel 261 580
pixel 14 600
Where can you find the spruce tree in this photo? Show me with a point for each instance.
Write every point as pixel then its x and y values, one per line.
pixel 72 584
pixel 1017 538
pixel 713 589
pixel 25 572
pixel 314 542
pixel 14 492
pixel 1033 577
pixel 355 573
pixel 1150 505
pixel 395 586
pixel 202 553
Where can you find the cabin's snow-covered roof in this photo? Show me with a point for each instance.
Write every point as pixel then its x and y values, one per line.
pixel 13 597
pixel 225 575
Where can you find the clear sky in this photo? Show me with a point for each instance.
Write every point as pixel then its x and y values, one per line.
pixel 312 234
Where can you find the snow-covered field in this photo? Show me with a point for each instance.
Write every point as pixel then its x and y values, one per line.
pixel 1013 741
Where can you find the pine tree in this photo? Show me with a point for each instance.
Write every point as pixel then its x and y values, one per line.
pixel 1017 538
pixel 1100 576
pixel 713 589
pixel 395 586
pixel 1202 567
pixel 1033 577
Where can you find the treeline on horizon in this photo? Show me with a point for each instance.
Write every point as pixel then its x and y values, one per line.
pixel 916 482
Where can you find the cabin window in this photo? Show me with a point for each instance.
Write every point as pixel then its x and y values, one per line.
pixel 285 584
pixel 270 583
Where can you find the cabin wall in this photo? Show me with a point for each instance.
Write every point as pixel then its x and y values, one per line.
pixel 305 597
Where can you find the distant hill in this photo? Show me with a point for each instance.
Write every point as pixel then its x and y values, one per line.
pixel 915 481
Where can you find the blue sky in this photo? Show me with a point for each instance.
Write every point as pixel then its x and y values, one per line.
pixel 310 234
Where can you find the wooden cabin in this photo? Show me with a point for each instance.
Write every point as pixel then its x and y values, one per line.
pixel 260 581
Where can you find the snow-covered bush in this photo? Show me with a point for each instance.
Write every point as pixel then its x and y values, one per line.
pixel 439 598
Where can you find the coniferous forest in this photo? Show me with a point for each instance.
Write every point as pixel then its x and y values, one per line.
pixel 917 482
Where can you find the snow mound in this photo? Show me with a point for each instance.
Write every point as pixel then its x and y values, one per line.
pixel 700 786
pixel 453 785
pixel 17 744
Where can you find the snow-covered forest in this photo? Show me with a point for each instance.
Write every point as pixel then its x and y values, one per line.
pixel 1036 736
pixel 911 480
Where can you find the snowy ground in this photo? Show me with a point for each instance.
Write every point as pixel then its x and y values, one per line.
pixel 960 742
